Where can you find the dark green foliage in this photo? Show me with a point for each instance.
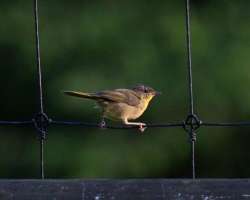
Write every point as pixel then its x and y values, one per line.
pixel 95 45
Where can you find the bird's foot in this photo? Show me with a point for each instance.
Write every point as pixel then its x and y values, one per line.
pixel 102 124
pixel 142 127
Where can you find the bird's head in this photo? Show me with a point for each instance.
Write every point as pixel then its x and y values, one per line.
pixel 145 92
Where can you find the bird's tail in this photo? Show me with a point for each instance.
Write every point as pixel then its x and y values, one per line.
pixel 82 94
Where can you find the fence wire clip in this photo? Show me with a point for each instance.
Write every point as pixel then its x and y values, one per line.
pixel 41 122
pixel 191 124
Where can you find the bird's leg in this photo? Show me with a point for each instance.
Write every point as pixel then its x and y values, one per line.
pixel 102 123
pixel 142 126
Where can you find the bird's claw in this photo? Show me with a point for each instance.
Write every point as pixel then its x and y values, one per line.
pixel 142 127
pixel 102 124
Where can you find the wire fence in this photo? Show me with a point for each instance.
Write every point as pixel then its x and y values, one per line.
pixel 191 124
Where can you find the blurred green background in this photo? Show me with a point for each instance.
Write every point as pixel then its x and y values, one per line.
pixel 94 45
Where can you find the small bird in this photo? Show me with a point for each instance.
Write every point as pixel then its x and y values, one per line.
pixel 121 104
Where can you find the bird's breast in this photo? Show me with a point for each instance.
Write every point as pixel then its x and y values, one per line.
pixel 120 111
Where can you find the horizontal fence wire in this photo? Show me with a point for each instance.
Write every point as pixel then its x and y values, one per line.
pixel 93 125
pixel 16 122
pixel 226 124
pixel 148 125
pixel 41 121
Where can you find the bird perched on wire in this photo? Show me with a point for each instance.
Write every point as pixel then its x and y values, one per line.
pixel 121 104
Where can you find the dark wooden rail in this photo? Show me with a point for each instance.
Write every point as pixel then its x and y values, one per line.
pixel 139 189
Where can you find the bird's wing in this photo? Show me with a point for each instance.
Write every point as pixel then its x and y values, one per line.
pixel 120 95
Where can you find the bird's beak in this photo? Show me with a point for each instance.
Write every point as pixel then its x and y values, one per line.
pixel 157 93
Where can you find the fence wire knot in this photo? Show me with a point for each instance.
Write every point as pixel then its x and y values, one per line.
pixel 191 124
pixel 41 122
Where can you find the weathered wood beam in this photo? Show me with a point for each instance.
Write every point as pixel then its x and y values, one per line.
pixel 127 189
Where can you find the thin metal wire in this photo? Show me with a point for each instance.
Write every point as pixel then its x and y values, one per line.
pixel 93 125
pixel 226 124
pixel 40 87
pixel 148 125
pixel 189 59
pixel 42 158
pixel 16 122
pixel 193 158
pixel 38 57
pixel 190 80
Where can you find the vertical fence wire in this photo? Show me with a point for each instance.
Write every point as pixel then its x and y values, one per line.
pixel 42 158
pixel 193 159
pixel 190 82
pixel 38 57
pixel 40 87
pixel 189 59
